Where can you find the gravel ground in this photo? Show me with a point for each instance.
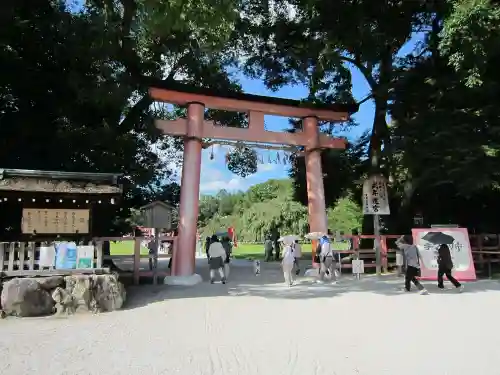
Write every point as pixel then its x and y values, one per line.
pixel 255 325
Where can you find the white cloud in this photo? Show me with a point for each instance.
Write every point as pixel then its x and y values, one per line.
pixel 267 167
pixel 233 184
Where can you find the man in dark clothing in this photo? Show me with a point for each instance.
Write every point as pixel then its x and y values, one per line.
pixel 445 265
pixel 268 248
pixel 207 245
pixel 275 235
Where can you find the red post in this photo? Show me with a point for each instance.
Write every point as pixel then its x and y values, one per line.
pixel 184 253
pixel 314 178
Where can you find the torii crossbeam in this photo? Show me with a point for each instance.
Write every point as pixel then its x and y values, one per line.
pixel 194 128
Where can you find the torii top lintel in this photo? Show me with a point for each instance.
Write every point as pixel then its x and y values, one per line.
pixel 256 106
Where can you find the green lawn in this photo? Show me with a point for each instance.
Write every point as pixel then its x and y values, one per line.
pixel 125 248
pixel 243 251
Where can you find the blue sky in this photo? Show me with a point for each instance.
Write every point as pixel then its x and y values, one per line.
pixel 215 175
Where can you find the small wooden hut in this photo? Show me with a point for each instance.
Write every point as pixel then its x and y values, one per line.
pixel 42 205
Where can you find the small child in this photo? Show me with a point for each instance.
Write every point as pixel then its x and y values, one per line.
pixel 287 264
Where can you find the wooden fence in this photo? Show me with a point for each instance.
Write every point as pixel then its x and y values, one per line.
pixel 22 259
pixel 485 251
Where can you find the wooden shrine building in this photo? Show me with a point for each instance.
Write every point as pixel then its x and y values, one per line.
pixel 43 205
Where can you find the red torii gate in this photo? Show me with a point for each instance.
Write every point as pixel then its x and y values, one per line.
pixel 194 128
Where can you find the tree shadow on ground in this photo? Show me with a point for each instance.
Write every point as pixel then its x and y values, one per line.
pixel 269 284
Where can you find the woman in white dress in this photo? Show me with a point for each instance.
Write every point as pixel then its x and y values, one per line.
pixel 287 264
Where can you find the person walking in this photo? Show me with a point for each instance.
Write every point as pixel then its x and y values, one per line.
pixel 228 247
pixel 445 265
pixel 327 261
pixel 207 244
pixel 275 235
pixel 151 252
pixel 268 248
pixel 410 251
pixel 216 256
pixel 287 264
pixel 297 253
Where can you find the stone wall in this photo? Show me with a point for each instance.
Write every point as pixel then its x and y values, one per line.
pixel 25 297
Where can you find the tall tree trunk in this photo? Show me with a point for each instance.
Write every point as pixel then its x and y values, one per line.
pixel 377 139
pixel 380 132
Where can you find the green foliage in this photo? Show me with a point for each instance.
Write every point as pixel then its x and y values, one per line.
pixel 269 206
pixel 242 161
pixel 471 37
pixel 345 216
pixel 71 91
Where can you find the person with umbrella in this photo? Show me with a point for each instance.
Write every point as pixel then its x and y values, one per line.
pixel 288 261
pixel 445 265
pixel 410 251
pixel 444 261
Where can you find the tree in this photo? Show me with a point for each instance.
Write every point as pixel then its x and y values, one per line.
pixel 72 89
pixel 269 206
pixel 446 142
pixel 470 38
pixel 316 43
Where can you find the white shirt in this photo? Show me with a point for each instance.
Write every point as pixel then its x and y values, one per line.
pixel 297 250
pixel 288 256
pixel 326 250
pixel 216 250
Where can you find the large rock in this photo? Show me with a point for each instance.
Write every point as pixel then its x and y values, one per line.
pixel 95 293
pixel 26 297
pixel 51 282
pixel 109 292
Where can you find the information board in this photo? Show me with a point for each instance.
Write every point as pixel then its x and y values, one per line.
pixel 461 253
pixel 55 221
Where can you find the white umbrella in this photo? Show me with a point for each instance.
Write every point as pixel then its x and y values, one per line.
pixel 314 235
pixel 288 240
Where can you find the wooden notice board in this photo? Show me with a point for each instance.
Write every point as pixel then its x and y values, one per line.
pixel 58 221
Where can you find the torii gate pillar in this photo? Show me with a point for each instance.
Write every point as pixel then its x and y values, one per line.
pixel 194 129
pixel 183 263
pixel 314 178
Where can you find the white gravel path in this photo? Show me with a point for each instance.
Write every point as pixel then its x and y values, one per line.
pixel 255 326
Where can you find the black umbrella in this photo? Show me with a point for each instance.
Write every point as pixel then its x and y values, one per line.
pixel 438 238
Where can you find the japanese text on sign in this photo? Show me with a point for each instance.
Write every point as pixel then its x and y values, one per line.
pixel 55 221
pixel 375 198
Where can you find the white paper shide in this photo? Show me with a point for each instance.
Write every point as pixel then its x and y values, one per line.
pixel 375 197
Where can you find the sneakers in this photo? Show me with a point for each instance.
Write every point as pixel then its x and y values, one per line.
pixel 460 289
pixel 223 281
pixel 424 292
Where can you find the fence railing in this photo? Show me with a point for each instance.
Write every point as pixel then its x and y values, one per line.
pixel 485 250
pixel 22 259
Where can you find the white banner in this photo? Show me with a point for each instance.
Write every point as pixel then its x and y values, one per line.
pixel 375 197
pixel 47 256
